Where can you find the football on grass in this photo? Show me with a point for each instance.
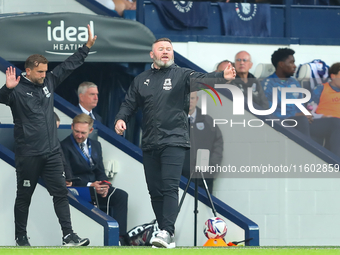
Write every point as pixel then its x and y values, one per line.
pixel 215 228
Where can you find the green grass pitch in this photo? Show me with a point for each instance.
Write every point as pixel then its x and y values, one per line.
pixel 177 251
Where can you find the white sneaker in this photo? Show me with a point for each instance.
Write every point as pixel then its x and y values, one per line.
pixel 163 240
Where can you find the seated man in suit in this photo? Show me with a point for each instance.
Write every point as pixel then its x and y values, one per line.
pixel 88 99
pixel 84 156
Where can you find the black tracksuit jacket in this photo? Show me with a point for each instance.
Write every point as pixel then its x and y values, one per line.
pixel 35 130
pixel 163 95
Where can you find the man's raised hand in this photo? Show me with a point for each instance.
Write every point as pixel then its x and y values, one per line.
pixel 91 39
pixel 11 80
pixel 229 72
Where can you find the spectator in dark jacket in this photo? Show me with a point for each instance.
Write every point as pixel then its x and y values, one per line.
pixel 245 80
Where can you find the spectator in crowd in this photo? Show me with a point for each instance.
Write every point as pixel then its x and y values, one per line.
pixel 244 79
pixel 327 97
pixel 319 129
pixel 222 65
pixel 88 99
pixel 84 156
pixel 119 5
pixel 163 94
pixel 203 135
pixel 37 151
pixel 284 63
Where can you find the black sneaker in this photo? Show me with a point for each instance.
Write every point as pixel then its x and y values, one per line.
pixel 22 241
pixel 74 240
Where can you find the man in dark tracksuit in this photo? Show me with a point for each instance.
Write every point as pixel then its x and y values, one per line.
pixel 163 94
pixel 37 151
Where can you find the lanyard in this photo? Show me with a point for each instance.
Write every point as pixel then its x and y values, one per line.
pixel 80 151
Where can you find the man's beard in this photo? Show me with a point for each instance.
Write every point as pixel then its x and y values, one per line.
pixel 38 81
pixel 161 64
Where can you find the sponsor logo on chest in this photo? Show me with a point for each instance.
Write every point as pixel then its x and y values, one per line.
pixel 46 92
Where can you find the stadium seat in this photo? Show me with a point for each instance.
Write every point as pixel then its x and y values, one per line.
pixel 303 75
pixel 263 70
pixel 312 74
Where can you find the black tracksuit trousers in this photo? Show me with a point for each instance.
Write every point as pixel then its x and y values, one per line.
pixel 28 170
pixel 163 170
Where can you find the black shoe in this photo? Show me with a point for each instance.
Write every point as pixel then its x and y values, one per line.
pixel 22 241
pixel 74 240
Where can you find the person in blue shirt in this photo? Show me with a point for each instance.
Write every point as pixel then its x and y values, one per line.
pixel 284 63
pixel 318 129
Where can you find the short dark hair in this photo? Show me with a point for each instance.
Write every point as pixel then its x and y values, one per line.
pixel 34 60
pixel 334 69
pixel 281 55
pixel 164 39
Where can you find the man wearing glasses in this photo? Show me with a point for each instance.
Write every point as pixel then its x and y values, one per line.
pixel 245 80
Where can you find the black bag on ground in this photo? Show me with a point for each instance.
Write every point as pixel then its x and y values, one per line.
pixel 141 235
